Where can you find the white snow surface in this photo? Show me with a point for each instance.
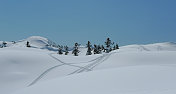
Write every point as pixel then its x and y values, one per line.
pixel 34 41
pixel 133 69
pixel 126 80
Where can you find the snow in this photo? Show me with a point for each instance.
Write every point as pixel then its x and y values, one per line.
pixel 126 80
pixel 35 42
pixel 123 59
pixel 20 66
pixel 133 69
pixel 166 46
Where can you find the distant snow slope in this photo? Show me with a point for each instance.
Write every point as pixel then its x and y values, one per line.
pixel 35 42
pixel 166 46
pixel 123 71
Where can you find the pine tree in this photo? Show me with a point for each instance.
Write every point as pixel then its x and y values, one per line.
pixel 114 48
pixel 75 50
pixel 102 47
pixel 27 44
pixel 99 49
pixel 110 49
pixel 108 44
pixel 95 49
pixel 88 44
pixel 89 49
pixel 117 46
pixel 66 50
pixel 4 44
pixel 13 42
pixel 60 51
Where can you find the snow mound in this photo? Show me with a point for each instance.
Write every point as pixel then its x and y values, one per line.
pixel 166 46
pixel 36 42
pixel 132 69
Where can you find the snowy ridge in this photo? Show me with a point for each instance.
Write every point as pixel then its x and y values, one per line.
pixel 166 46
pixel 44 43
pixel 35 42
pixel 38 41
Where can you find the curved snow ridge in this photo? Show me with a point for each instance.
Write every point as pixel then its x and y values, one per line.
pixel 166 46
pixel 36 42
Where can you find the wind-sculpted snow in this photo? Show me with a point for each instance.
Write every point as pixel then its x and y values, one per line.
pixel 88 67
pixel 35 42
pixel 127 80
pixel 133 69
pixel 167 46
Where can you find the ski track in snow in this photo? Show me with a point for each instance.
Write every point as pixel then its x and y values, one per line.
pixel 96 62
pixel 43 74
pixel 88 67
pixel 69 64
pixel 106 57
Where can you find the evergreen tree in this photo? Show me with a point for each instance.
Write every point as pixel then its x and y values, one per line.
pixel 99 49
pixel 95 49
pixel 75 50
pixel 4 44
pixel 27 44
pixel 110 49
pixel 117 46
pixel 13 42
pixel 102 48
pixel 89 49
pixel 58 46
pixel 114 48
pixel 88 44
pixel 60 51
pixel 66 50
pixel 108 44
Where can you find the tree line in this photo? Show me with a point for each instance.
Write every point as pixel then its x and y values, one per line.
pixel 95 49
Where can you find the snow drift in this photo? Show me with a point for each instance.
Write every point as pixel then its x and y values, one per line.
pixel 126 80
pixel 133 69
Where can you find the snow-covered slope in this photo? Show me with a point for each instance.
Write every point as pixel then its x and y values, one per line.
pixel 31 70
pixel 166 46
pixel 126 80
pixel 35 42
pixel 19 66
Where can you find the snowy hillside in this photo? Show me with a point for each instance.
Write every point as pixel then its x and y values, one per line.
pixel 133 69
pixel 166 46
pixel 35 42
pixel 126 80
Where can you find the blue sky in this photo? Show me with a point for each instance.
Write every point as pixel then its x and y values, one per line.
pixel 69 21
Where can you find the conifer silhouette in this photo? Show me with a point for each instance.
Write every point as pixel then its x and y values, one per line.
pixel 75 50
pixel 27 44
pixel 66 50
pixel 89 49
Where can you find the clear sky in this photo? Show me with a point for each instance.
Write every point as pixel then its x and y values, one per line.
pixel 69 21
